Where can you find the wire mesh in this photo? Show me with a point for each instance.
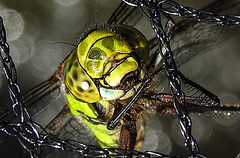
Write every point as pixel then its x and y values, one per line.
pixel 32 136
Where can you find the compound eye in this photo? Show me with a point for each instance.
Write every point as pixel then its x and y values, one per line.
pixel 78 83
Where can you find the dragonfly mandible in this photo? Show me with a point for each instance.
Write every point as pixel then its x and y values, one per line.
pixel 54 83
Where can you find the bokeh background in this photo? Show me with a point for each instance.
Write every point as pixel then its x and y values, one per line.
pixel 36 28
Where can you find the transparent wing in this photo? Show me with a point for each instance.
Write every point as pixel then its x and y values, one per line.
pixel 46 104
pixel 124 14
pixel 197 38
pixel 45 98
pixel 193 38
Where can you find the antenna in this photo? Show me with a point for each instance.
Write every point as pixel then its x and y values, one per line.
pixel 64 43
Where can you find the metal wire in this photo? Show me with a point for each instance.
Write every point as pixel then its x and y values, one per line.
pixel 33 137
pixel 171 72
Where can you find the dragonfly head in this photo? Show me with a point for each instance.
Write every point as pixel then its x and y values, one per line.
pixel 103 62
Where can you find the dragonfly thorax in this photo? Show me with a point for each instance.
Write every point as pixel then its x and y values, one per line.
pixel 106 65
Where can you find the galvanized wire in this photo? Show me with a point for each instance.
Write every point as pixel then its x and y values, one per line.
pixel 33 137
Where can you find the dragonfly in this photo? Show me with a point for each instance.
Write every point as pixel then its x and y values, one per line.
pixel 72 121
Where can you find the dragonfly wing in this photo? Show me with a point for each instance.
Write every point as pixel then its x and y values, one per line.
pixel 198 39
pixel 46 98
pixel 46 104
pixel 192 37
pixel 124 14
pixel 36 101
pixel 70 127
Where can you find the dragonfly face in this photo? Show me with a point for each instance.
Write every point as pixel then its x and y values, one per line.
pixel 91 76
pixel 103 64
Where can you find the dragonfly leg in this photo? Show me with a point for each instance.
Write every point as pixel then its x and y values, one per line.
pixel 132 127
pixel 128 135
pixel 163 103
pixel 132 132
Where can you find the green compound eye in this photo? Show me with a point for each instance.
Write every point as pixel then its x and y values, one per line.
pixel 98 48
pixel 79 84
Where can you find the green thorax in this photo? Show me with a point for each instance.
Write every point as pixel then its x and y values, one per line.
pixel 105 138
